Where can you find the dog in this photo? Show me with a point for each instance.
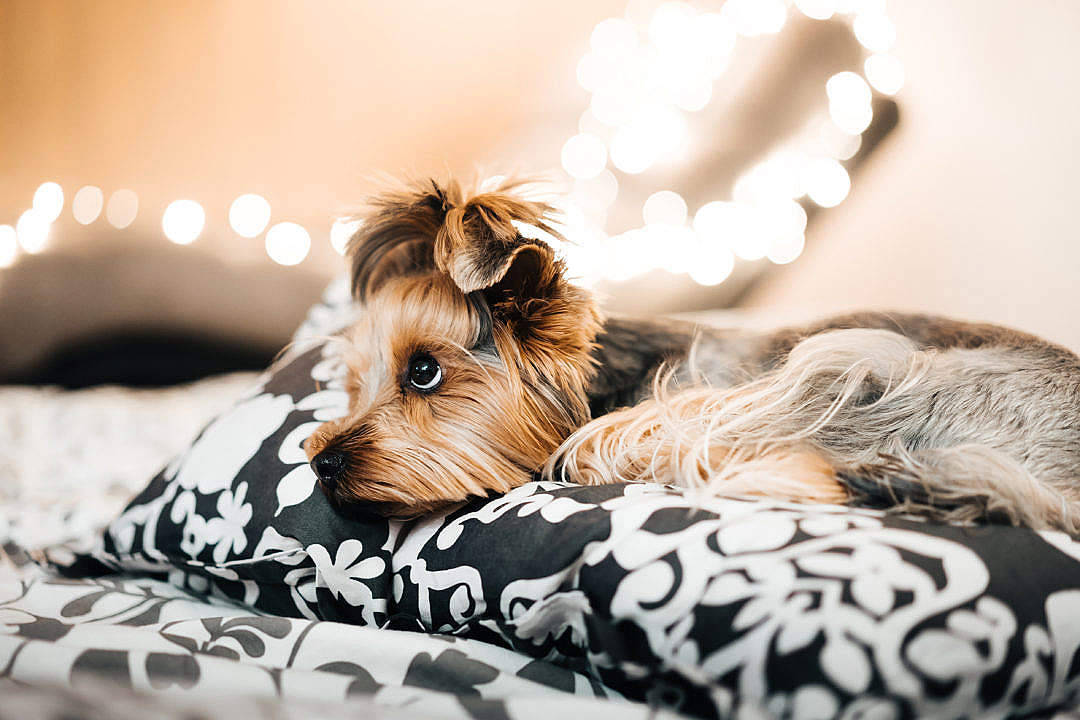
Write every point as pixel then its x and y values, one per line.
pixel 476 366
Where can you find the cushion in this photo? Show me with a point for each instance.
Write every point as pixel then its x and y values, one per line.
pixel 703 605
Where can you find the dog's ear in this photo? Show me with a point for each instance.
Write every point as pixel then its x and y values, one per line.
pixel 397 234
pixel 479 240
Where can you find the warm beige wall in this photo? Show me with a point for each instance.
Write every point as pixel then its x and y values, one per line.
pixel 300 101
pixel 973 206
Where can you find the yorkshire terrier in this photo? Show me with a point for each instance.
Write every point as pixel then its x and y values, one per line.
pixel 476 366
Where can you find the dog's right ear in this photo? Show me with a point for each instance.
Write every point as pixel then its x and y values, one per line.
pixel 397 235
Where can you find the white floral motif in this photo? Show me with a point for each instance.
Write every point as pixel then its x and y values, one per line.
pixel 227 531
pixel 343 575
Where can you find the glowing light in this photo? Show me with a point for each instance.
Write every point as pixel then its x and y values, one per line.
pixel 849 102
pixel 848 88
pixel 122 208
pixel 341 231
pixel 614 37
pixel 715 221
pixel 827 182
pixel 695 95
pixel 183 221
pixel 584 156
pixel 32 229
pixel 611 109
pixel 778 177
pixel 712 263
pixel 628 255
pixel 816 9
pixel 672 26
pixel 287 243
pixel 673 247
pixel 755 17
pixel 249 215
pixel 716 38
pixel 875 31
pixel 9 246
pixel 654 133
pixel 597 193
pixel 664 208
pixel 49 201
pixel 589 124
pixel 738 226
pixel 885 73
pixel 786 248
pixel 87 203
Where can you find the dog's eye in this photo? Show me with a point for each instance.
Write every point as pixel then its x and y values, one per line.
pixel 424 374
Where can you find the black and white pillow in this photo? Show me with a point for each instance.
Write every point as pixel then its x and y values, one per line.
pixel 690 602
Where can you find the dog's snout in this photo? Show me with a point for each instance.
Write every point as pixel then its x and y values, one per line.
pixel 328 466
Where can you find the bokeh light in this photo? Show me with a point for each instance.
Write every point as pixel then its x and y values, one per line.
pixel 183 221
pixel 249 215
pixel 850 102
pixel 875 31
pixel 885 73
pixel 664 208
pixel 9 246
pixel 49 201
pixel 827 182
pixel 712 263
pixel 786 248
pixel 32 230
pixel 287 243
pixel 756 17
pixel 341 231
pixel 87 204
pixel 584 156
pixel 122 209
pixel 816 9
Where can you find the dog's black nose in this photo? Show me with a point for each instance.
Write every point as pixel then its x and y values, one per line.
pixel 328 465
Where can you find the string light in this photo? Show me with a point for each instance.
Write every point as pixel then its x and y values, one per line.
pixel 49 201
pixel 183 221
pixel 87 203
pixel 875 31
pixel 341 231
pixel 287 243
pixel 32 230
pixel 122 209
pixel 249 215
pixel 827 182
pixel 659 61
pixel 9 246
pixel 584 156
pixel 885 73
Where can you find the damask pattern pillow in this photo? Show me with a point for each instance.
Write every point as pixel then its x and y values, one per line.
pixel 703 605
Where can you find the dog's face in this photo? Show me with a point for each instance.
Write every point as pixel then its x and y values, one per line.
pixel 470 361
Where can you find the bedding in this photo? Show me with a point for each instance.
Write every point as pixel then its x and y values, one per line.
pixel 229 573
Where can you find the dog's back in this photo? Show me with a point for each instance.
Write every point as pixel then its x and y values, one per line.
pixel 949 417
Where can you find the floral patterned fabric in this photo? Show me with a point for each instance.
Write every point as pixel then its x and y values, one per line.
pixel 700 606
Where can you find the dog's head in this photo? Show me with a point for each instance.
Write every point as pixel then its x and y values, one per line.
pixel 471 358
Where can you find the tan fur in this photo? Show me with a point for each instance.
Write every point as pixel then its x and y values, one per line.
pixel 503 408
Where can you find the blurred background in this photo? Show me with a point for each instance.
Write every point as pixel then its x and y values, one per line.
pixel 172 174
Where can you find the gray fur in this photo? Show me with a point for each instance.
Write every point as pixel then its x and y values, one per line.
pixel 953 419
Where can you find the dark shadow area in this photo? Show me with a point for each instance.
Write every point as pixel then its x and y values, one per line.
pixel 143 360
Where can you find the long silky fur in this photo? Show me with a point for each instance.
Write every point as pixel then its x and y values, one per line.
pixel 844 419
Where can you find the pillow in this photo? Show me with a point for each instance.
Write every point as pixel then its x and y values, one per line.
pixel 703 605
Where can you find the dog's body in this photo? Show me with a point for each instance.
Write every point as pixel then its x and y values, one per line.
pixel 476 364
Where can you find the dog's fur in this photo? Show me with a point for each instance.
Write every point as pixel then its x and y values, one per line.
pixel 957 420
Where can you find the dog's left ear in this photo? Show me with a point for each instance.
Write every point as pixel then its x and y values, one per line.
pixel 479 241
